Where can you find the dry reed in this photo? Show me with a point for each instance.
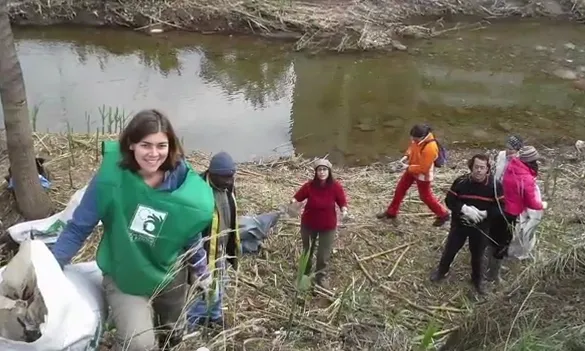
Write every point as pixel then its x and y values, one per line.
pixel 380 296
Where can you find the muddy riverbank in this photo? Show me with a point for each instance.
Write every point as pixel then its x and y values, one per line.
pixel 331 24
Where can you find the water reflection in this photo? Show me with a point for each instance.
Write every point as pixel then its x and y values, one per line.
pixel 248 73
pixel 217 101
pixel 473 91
pixel 255 98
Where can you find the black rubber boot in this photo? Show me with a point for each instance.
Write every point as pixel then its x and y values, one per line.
pixel 493 270
pixel 479 287
pixel 437 276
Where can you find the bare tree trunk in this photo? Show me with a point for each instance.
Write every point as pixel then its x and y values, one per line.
pixel 32 200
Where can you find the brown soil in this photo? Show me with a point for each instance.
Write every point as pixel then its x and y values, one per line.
pixel 332 24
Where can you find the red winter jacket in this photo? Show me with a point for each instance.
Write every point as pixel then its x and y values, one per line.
pixel 319 213
pixel 519 184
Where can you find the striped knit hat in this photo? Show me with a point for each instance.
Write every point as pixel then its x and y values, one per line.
pixel 528 154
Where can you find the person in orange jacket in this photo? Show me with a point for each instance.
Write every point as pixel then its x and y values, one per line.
pixel 421 155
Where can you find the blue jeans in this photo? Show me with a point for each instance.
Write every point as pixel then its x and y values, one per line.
pixel 200 310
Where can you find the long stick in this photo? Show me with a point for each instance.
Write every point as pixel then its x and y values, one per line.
pixel 398 261
pixel 368 275
pixel 385 252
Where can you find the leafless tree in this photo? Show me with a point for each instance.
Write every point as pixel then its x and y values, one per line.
pixel 32 200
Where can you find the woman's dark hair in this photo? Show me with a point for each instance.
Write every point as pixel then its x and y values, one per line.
pixel 532 165
pixel 420 131
pixel 143 124
pixel 317 182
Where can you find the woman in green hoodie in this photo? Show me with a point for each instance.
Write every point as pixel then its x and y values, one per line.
pixel 153 207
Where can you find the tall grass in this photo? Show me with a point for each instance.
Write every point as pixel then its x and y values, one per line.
pixel 302 286
pixel 112 120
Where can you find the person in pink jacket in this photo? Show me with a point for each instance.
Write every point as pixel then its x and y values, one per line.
pixel 519 185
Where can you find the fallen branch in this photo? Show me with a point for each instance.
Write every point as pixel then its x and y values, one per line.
pixel 385 252
pixel 398 261
pixel 368 275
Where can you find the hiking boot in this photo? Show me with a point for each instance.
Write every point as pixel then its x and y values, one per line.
pixel 440 221
pixel 437 276
pixel 493 270
pixel 385 215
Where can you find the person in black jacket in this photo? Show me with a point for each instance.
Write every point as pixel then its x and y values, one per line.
pixel 221 241
pixel 472 200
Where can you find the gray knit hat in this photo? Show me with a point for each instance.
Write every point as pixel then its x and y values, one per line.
pixel 515 142
pixel 322 162
pixel 528 154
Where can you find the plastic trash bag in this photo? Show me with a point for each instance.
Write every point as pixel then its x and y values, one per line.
pixel 45 183
pixel 47 229
pixel 525 232
pixel 255 229
pixel 75 308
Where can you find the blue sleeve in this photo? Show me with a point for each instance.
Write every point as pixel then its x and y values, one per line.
pixel 79 227
pixel 198 260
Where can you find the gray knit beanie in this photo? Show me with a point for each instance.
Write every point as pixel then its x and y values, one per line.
pixel 515 142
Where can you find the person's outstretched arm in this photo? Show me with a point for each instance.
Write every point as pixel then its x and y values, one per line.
pixel 79 227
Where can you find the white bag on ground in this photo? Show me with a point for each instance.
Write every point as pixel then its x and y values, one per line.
pixel 525 234
pixel 47 229
pixel 74 301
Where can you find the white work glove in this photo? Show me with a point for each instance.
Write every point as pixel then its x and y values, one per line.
pixel 471 214
pixel 344 213
pixel 544 205
pixel 483 214
pixel 402 166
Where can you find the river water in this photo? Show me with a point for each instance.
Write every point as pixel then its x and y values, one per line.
pixel 257 99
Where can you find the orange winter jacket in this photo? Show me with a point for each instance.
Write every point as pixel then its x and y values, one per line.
pixel 421 158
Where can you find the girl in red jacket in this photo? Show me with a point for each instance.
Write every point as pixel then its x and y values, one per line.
pixel 319 218
pixel 520 193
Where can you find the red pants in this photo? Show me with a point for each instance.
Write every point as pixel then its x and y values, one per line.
pixel 424 192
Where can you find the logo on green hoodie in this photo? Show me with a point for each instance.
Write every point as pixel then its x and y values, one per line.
pixel 147 223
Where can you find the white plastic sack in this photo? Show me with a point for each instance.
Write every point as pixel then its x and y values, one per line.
pixel 76 309
pixel 500 165
pixel 47 229
pixel 525 232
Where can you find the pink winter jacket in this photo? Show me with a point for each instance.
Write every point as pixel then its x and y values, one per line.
pixel 519 184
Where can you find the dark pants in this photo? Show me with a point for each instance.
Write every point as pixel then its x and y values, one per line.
pixel 502 231
pixel 324 241
pixel 458 234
